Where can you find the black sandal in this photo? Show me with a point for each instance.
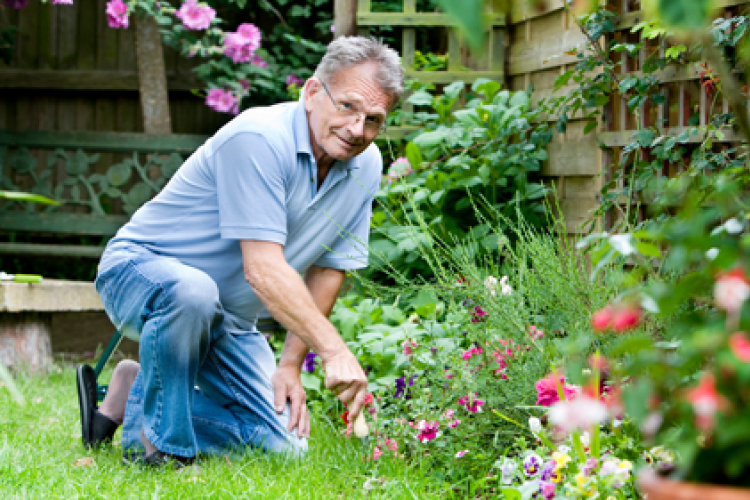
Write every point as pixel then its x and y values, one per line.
pixel 96 428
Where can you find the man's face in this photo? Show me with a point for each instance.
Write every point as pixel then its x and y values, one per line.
pixel 343 130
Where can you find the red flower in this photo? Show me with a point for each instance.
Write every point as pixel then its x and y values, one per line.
pixel 602 319
pixel 706 401
pixel 626 318
pixel 740 346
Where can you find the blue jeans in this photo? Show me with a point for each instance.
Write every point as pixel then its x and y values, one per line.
pixel 205 379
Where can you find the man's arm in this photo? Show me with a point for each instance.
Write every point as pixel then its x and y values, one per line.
pixel 324 284
pixel 289 301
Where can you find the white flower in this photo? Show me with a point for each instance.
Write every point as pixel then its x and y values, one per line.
pixel 490 283
pixel 505 288
pixel 622 243
pixel 580 413
pixel 535 425
pixel 731 290
pixel 711 253
pixel 733 226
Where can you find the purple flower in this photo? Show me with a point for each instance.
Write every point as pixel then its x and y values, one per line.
pixel 195 16
pixel 548 470
pixel 223 101
pixel 293 79
pixel 401 386
pixel 309 364
pixel 241 46
pixel 16 4
pixel 117 14
pixel 62 2
pixel 532 464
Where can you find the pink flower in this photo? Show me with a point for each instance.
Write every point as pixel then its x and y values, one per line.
pixel 62 2
pixel 706 401
pixel 223 101
pixel 461 453
pixel 471 403
pixel 399 168
pixel 454 423
pixel 535 333
pixel 241 46
pixel 740 346
pixel 195 16
pixel 731 290
pixel 258 61
pixel 391 444
pixel 427 431
pixel 625 318
pixel 376 454
pixel 117 14
pixel 333 28
pixel 579 413
pixel 449 413
pixel 546 390
pixel 474 351
pixel 478 315
pixel 407 346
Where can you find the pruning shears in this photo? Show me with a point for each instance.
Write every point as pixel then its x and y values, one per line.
pixel 21 278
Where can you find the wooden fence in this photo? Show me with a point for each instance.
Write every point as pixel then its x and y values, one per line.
pixel 71 72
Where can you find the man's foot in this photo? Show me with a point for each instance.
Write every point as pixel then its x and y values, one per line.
pixel 157 460
pixel 96 428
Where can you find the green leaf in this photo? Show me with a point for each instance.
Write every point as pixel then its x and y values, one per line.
pixel 648 249
pixel 468 15
pixel 589 127
pixel 414 155
pixel 310 381
pixel 684 14
pixel 420 98
pixel 32 198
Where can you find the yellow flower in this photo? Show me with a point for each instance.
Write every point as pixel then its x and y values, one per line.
pixel 561 459
pixel 625 464
pixel 556 476
pixel 580 479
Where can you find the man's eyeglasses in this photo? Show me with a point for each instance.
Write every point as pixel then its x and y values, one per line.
pixel 373 124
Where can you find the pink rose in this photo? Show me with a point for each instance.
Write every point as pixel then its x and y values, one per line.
pixel 602 319
pixel 195 16
pixel 241 46
pixel 223 101
pixel 546 390
pixel 117 14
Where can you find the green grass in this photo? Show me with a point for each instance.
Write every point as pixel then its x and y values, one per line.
pixel 40 443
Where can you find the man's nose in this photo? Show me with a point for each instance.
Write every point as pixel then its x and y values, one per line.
pixel 357 127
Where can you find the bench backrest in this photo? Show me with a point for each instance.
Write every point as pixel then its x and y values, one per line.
pixel 101 178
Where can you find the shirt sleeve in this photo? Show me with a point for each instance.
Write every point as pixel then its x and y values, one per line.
pixel 350 249
pixel 251 189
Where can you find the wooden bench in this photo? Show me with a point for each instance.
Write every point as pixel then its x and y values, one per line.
pixel 101 178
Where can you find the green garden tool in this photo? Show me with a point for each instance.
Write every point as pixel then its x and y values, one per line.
pixel 20 278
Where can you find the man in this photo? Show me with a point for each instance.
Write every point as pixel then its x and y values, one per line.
pixel 278 191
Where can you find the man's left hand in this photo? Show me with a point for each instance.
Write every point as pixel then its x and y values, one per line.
pixel 288 386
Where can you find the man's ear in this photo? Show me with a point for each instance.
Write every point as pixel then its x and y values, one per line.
pixel 310 90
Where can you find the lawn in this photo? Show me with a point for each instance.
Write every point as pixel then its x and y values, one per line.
pixel 41 456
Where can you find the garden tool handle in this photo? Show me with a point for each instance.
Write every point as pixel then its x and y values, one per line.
pixel 360 426
pixel 27 278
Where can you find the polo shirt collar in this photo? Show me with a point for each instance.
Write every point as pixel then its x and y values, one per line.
pixel 302 137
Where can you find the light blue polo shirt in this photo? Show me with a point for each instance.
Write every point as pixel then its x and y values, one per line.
pixel 256 179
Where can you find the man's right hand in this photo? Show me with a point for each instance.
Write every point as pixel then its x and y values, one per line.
pixel 345 378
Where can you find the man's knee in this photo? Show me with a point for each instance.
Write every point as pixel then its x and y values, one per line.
pixel 197 294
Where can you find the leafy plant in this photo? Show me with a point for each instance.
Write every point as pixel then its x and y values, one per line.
pixel 485 152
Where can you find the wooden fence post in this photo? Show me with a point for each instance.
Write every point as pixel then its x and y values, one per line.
pixel 152 78
pixel 345 17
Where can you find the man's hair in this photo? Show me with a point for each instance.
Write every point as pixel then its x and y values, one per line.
pixel 347 51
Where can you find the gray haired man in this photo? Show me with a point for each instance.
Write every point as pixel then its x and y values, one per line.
pixel 277 192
